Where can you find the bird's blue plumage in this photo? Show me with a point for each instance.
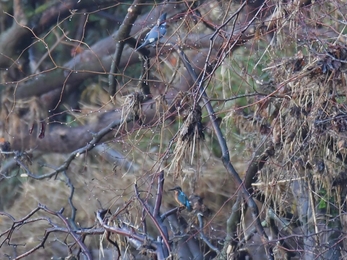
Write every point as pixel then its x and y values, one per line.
pixel 184 200
pixel 157 32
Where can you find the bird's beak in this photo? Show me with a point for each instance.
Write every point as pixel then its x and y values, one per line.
pixel 172 189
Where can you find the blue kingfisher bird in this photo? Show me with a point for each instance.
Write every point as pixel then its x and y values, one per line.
pixel 181 198
pixel 157 32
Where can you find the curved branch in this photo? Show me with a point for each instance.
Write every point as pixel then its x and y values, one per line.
pixel 225 152
pixel 120 39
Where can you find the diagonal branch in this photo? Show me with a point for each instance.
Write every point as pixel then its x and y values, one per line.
pixel 122 34
pixel 155 222
pixel 225 152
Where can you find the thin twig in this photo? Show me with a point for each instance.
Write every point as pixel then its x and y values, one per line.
pixel 155 222
pixel 225 155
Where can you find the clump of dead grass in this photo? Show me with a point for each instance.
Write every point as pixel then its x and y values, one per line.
pixel 306 118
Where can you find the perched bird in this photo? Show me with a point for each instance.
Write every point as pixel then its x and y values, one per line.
pixel 157 32
pixel 181 198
